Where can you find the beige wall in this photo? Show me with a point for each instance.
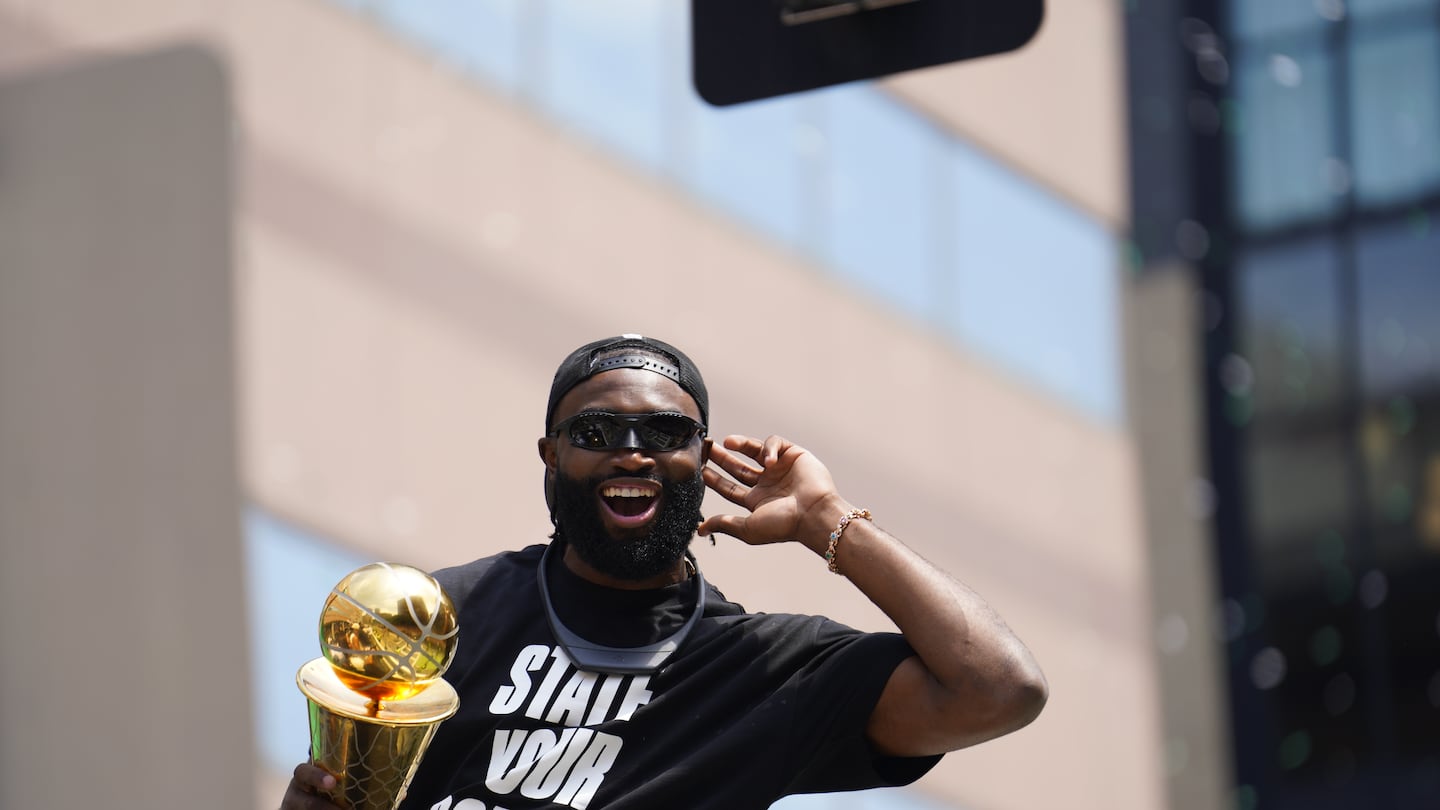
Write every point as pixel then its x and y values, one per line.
pixel 1054 110
pixel 416 254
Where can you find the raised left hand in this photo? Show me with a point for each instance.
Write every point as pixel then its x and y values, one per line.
pixel 784 486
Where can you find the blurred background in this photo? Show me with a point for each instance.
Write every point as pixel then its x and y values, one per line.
pixel 1134 330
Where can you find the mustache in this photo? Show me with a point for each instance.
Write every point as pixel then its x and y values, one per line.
pixel 595 481
pixel 600 479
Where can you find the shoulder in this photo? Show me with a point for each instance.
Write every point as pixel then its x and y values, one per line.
pixel 805 636
pixel 490 573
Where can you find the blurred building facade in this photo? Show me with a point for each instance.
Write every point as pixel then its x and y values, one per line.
pixel 929 281
pixel 1305 209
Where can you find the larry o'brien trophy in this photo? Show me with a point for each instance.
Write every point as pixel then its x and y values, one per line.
pixel 388 632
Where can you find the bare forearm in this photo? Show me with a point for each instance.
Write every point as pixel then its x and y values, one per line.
pixel 983 680
pixel 971 678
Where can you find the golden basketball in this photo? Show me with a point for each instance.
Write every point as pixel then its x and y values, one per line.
pixel 389 631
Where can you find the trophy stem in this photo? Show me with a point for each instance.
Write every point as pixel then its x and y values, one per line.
pixel 370 749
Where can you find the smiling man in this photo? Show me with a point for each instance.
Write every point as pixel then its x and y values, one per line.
pixel 628 517
pixel 601 670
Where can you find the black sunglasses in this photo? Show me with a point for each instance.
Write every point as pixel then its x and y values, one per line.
pixel 602 430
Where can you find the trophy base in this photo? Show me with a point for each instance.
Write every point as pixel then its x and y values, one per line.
pixel 371 748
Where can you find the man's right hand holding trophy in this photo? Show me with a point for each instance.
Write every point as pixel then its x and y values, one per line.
pixel 388 632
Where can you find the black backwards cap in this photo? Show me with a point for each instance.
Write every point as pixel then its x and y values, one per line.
pixel 611 353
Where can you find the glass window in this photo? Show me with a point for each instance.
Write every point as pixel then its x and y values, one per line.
pixel 1361 9
pixel 1342 498
pixel 1033 284
pixel 1308 665
pixel 1401 442
pixel 1402 590
pixel 1287 374
pixel 1290 351
pixel 603 73
pixel 880 202
pixel 1309 672
pixel 1286 165
pixel 1399 304
pixel 478 35
pixel 1395 113
pixel 289 576
pixel 1299 486
pixel 1399 334
pixel 758 163
pixel 1252 18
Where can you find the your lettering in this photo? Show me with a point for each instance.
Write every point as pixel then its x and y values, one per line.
pixel 566 762
pixel 566 769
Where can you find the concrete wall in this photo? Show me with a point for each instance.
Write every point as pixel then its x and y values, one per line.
pixel 124 679
pixel 1164 310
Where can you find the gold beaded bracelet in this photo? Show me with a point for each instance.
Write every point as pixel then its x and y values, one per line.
pixel 830 560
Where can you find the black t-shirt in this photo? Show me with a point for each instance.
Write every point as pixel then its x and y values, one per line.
pixel 751 708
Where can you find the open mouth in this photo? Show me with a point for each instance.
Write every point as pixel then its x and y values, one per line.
pixel 630 503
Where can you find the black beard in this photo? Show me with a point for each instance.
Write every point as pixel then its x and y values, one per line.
pixel 640 556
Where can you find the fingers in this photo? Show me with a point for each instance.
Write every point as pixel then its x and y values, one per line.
pixel 307 787
pixel 733 525
pixel 766 452
pixel 758 470
pixel 749 445
pixel 730 490
pixel 747 457
pixel 733 489
pixel 771 451
pixel 738 464
pixel 313 777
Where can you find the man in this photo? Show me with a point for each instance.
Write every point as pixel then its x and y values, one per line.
pixel 602 671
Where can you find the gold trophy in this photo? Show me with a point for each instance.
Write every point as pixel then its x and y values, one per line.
pixel 388 633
